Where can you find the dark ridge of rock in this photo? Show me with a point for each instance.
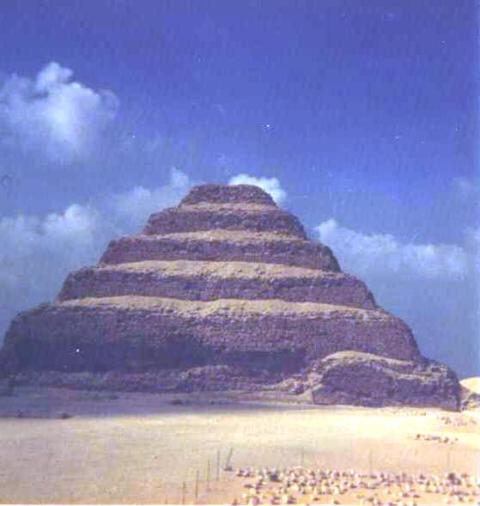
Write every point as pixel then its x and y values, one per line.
pixel 143 333
pixel 199 218
pixel 224 246
pixel 213 280
pixel 213 378
pixel 369 380
pixel 221 194
pixel 234 295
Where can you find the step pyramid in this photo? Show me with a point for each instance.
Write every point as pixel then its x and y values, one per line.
pixel 228 284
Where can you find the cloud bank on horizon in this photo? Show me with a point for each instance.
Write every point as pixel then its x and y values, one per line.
pixel 36 253
pixel 383 254
pixel 433 287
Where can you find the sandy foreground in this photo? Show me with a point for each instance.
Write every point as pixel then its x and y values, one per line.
pixel 83 447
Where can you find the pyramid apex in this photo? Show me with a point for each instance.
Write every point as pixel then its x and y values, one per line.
pixel 222 193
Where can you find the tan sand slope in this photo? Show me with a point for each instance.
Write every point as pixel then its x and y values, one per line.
pixel 472 384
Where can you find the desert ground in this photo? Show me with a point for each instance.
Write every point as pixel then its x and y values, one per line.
pixel 85 447
pixel 472 384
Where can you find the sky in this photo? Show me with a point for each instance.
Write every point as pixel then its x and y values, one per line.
pixel 358 117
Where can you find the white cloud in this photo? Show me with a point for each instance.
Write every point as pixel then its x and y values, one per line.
pixel 365 254
pixel 54 115
pixel 270 185
pixel 472 244
pixel 465 187
pixel 432 287
pixel 36 253
pixel 134 207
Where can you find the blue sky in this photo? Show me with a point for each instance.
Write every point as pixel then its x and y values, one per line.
pixel 364 112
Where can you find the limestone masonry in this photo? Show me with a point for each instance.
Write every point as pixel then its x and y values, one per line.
pixel 225 291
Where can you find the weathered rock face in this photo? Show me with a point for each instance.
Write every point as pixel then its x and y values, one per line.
pixel 223 245
pixel 248 217
pixel 370 380
pixel 143 333
pixel 200 280
pixel 227 281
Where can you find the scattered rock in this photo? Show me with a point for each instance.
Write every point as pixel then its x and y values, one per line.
pixel 437 439
pixel 298 484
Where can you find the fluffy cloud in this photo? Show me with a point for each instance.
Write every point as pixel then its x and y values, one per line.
pixel 53 114
pixel 33 247
pixel 270 185
pixel 36 253
pixel 134 206
pixel 382 254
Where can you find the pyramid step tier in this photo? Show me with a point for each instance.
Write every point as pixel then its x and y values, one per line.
pixel 200 280
pixel 254 217
pixel 224 245
pixel 221 194
pixel 141 333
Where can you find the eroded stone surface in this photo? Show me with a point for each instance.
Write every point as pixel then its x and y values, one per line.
pixel 142 333
pixel 200 280
pixel 371 380
pixel 221 194
pixel 197 218
pixel 222 245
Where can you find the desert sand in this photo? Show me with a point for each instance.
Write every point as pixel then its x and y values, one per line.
pixel 84 447
pixel 472 384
